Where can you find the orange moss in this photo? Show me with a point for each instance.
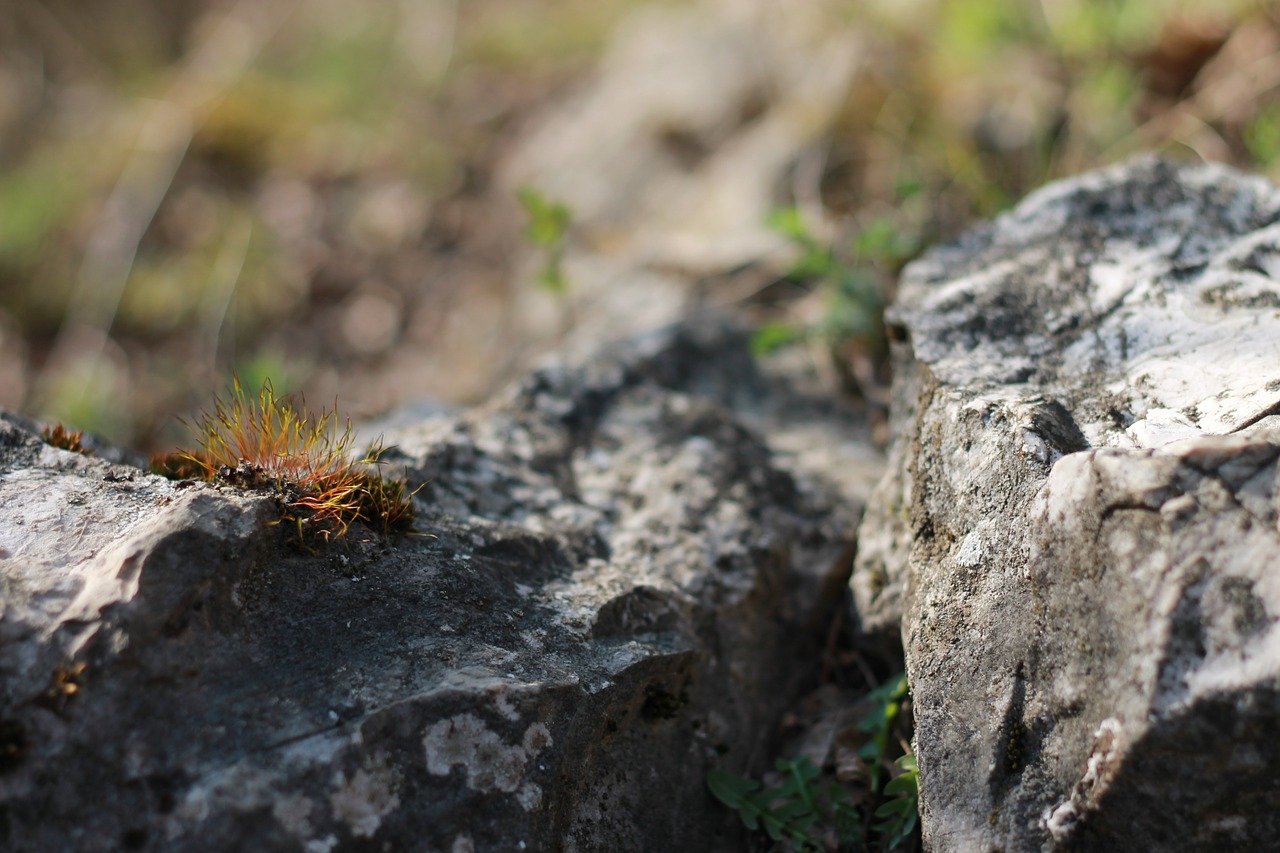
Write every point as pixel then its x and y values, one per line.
pixel 59 436
pixel 269 443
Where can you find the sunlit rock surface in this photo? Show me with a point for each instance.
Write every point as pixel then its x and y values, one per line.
pixel 1078 528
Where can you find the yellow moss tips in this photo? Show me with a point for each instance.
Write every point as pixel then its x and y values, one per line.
pixel 269 443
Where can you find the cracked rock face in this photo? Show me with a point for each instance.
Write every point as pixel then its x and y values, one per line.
pixel 1078 527
pixel 626 587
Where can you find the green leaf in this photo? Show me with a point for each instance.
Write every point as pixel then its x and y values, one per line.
pixel 878 722
pixel 899 816
pixel 786 812
pixel 885 241
pixel 900 785
pixel 874 240
pixel 1262 137
pixel 891 690
pixel 788 809
pixel 886 698
pixel 893 808
pixel 772 826
pixel 736 793
pixel 802 767
pixel 789 222
pixel 816 260
pixel 799 772
pixel 551 276
pixel 899 822
pixel 908 186
pixel 879 717
pixel 772 337
pixel 548 229
pixel 814 263
pixel 730 789
pixel 549 220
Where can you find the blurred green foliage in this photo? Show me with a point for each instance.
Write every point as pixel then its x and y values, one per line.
pixel 853 278
pixel 88 396
pixel 960 109
pixel 1262 135
pixel 39 197
pixel 547 229
pixel 292 148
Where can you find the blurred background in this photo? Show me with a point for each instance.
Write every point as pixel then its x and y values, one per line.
pixel 398 201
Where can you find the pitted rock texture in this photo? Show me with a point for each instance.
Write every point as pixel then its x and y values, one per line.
pixel 624 586
pixel 1078 528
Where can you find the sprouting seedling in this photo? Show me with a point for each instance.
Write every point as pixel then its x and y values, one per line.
pixel 855 306
pixel 271 443
pixel 547 229
pixel 887 702
pixel 851 276
pixel 59 435
pixel 787 812
pixel 898 816
pixel 806 815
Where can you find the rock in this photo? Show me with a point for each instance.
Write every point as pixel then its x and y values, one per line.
pixel 624 586
pixel 1078 527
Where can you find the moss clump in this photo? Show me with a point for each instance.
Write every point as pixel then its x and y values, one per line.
pixel 59 436
pixel 268 443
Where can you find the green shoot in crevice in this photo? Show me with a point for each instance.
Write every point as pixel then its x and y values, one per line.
pixel 793 811
pixel 853 280
pixel 810 816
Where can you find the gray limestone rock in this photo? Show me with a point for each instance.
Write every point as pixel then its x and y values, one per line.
pixel 1078 527
pixel 624 586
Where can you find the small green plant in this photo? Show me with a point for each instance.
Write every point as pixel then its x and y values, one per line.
pixel 802 812
pixel 853 282
pixel 899 816
pixel 853 278
pixel 273 444
pixel 59 436
pixel 887 702
pixel 547 229
pixel 792 810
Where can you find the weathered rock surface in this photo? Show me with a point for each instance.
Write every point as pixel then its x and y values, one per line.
pixel 625 587
pixel 1079 523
